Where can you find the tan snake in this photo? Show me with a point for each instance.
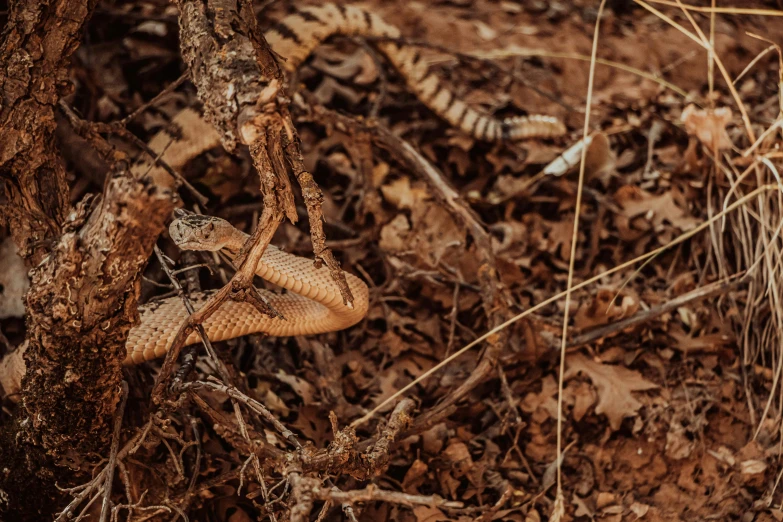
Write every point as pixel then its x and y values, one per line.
pixel 313 304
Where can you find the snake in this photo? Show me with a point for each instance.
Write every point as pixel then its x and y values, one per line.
pixel 312 303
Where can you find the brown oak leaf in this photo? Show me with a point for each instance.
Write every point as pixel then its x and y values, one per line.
pixel 614 385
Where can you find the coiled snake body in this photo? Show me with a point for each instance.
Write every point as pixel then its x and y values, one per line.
pixel 313 303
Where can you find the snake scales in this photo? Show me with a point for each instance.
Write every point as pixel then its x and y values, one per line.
pixel 313 303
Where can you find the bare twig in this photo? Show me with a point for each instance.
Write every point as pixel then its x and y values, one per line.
pixel 512 402
pixel 91 132
pixel 711 290
pixel 253 404
pixel 229 430
pixel 188 494
pixel 377 458
pixel 98 480
pixel 191 285
pixel 115 445
pixel 313 489
pixel 169 88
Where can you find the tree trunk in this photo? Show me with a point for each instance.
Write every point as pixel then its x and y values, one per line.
pixel 85 262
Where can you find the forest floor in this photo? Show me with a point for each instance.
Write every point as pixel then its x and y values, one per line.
pixel 674 416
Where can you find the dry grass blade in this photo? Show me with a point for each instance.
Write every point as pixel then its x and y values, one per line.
pixel 424 129
pixel 704 42
pixel 720 10
pixel 676 241
pixel 543 53
pixel 572 254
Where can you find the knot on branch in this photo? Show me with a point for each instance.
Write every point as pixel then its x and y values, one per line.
pixel 251 295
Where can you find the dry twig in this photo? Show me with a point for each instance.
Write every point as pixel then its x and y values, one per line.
pixel 494 295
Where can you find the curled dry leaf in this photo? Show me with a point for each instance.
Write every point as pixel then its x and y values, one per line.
pixel 415 476
pixel 639 509
pixel 678 445
pixel 304 389
pixel 458 457
pixel 709 126
pixel 753 467
pixel 358 67
pixel 753 472
pixel 599 159
pixel 429 514
pixel 485 31
pixel 432 234
pixel 584 397
pixel 405 195
pixel 604 308
pixel 582 509
pixel 394 234
pixel 330 88
pixel 544 400
pixel 708 343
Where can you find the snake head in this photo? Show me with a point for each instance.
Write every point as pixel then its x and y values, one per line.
pixel 197 232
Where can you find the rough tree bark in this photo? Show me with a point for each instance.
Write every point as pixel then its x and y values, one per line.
pixel 35 49
pixel 85 261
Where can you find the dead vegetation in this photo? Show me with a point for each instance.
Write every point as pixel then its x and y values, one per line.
pixel 448 402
